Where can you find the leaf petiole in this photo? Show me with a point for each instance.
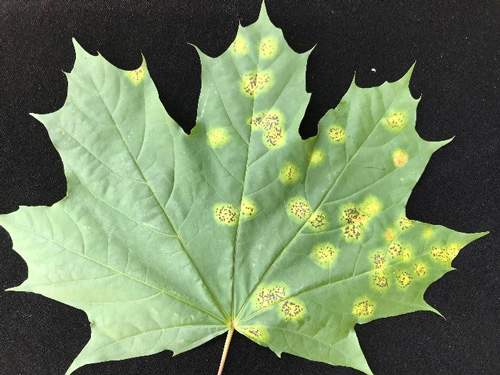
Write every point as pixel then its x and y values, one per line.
pixel 226 349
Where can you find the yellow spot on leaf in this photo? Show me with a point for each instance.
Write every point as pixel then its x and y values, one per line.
pixel 324 255
pixel 396 121
pixel 405 223
pixel 299 208
pixel 440 254
pixel 274 137
pixel 403 278
pixel 256 333
pixel 420 269
pixel 268 47
pixel 289 173
pixel 453 250
pixel 395 249
pixel 136 76
pixel 272 119
pixel 256 82
pixel 363 308
pixel 427 232
pixel 379 260
pixel 389 234
pixel 318 221
pixel 400 158
pixel 380 281
pixel 336 133
pixel 270 295
pixel 239 46
pixel 407 253
pixel 226 214
pixel 292 309
pixel 371 206
pixel 351 214
pixel 317 157
pixel 248 209
pixel 218 137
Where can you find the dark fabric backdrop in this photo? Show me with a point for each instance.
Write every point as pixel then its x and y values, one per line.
pixel 457 48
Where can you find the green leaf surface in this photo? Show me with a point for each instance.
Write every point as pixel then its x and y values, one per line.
pixel 167 240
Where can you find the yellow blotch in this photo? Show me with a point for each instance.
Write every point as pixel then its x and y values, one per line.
pixel 336 133
pixel 404 223
pixel 395 249
pixel 218 137
pixel 239 46
pixel 440 254
pixel 427 232
pixel 318 221
pixel 268 47
pixel 267 120
pixel 407 253
pixel 351 214
pixel 289 173
pixel 248 208
pixel 299 208
pixel 371 206
pixel 317 157
pixel 404 279
pixel 292 309
pixel 380 281
pixel 378 259
pixel 226 214
pixel 269 295
pixel 136 76
pixel 324 255
pixel 256 333
pixel 389 234
pixel 363 308
pixel 453 250
pixel 256 82
pixel 420 269
pixel 400 158
pixel 396 120
pixel 274 137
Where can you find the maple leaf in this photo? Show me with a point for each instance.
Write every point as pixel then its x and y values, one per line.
pixel 167 240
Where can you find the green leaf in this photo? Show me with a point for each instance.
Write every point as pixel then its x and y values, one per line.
pixel 167 240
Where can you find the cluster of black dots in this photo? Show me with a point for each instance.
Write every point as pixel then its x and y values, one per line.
pixel 395 249
pixel 404 279
pixel 396 121
pixel 255 82
pixel 226 214
pixel 274 137
pixel 291 310
pixel 379 260
pixel 325 253
pixel 300 208
pixel 355 221
pixel 363 309
pixel 269 296
pixel 380 280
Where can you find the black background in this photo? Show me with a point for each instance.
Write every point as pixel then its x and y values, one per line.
pixel 457 48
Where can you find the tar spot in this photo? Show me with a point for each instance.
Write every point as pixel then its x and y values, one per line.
pixel 363 308
pixel 267 296
pixel 254 83
pixel 318 221
pixel 336 133
pixel 299 208
pixel 226 214
pixel 396 121
pixel 292 309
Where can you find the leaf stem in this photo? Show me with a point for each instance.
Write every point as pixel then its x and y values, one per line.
pixel 226 349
